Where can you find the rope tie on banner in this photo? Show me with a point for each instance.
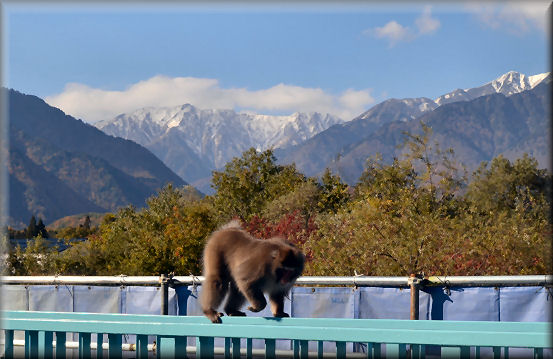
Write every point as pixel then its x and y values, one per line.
pixel 195 282
pixel 170 281
pixel 356 275
pixel 69 290
pixel 446 286
pixel 122 280
pixel 57 284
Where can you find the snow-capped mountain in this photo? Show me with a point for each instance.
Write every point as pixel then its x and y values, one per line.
pixel 212 137
pixel 193 142
pixel 398 110
pixel 508 84
pixel 411 108
pixel 324 149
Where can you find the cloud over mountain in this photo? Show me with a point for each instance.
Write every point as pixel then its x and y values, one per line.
pixel 93 104
pixel 394 32
pixel 515 17
pixel 425 23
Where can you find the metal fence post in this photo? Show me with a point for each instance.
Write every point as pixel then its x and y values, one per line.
pixel 414 284
pixel 164 295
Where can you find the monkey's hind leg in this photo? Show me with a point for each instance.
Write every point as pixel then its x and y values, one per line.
pixel 213 291
pixel 235 301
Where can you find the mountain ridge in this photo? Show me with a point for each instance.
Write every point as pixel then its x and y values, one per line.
pixel 61 166
pixel 477 130
pixel 313 157
pixel 507 84
pixel 193 141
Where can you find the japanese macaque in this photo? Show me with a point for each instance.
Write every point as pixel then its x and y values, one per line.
pixel 246 267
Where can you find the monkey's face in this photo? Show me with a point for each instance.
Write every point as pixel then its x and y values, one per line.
pixel 290 266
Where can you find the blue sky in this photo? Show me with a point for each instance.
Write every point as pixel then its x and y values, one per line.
pixel 97 61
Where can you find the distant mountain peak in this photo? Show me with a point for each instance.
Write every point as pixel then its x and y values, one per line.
pixel 508 84
pixel 212 136
pixel 346 147
pixel 511 82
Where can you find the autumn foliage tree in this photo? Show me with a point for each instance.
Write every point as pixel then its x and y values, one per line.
pixel 416 215
pixel 507 219
pixel 166 236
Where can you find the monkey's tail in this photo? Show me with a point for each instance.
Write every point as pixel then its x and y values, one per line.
pixel 235 223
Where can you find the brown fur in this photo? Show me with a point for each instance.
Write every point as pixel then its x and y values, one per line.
pixel 247 267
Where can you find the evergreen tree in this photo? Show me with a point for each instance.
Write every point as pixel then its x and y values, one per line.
pixel 86 224
pixel 334 193
pixel 41 229
pixel 32 229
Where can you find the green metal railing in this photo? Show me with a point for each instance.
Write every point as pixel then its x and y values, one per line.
pixel 46 333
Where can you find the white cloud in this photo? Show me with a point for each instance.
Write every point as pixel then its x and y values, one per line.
pixel 395 32
pixel 426 24
pixel 514 17
pixel 355 99
pixel 92 104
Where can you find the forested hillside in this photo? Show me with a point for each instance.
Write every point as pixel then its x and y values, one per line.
pixel 61 166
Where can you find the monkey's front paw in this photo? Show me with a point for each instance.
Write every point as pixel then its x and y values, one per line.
pixel 255 309
pixel 214 316
pixel 281 315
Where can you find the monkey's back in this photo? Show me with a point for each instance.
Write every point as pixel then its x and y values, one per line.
pixel 226 246
pixel 232 250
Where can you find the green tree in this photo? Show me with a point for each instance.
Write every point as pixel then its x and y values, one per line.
pixel 31 228
pixel 507 219
pixel 83 258
pixel 168 198
pixel 184 238
pixel 248 183
pixel 502 185
pixel 334 193
pixel 403 221
pixel 436 170
pixel 41 229
pixel 38 258
pixel 303 199
pixel 86 224
pixel 402 216
pixel 166 236
pixel 392 228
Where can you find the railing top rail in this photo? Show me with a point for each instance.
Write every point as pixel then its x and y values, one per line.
pixel 360 281
pixel 444 333
pixel 82 280
pixel 307 322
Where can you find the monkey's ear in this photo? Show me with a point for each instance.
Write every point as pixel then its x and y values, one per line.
pixel 274 253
